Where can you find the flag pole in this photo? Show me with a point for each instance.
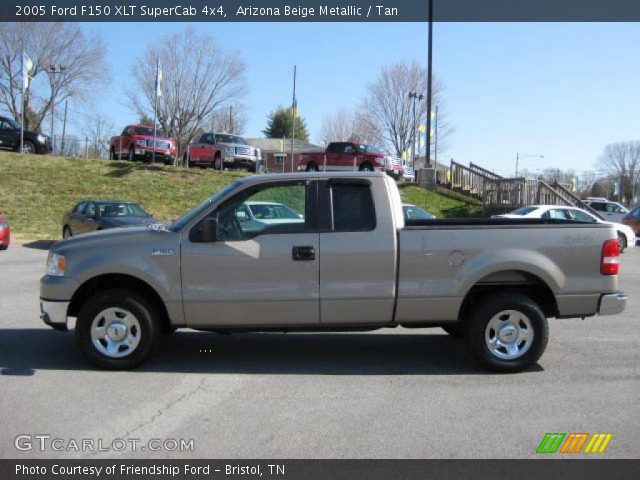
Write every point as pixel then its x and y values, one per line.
pixel 24 80
pixel 435 146
pixel 293 113
pixel 155 112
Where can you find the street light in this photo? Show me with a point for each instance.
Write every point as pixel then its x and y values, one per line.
pixel 416 97
pixel 518 157
pixel 53 69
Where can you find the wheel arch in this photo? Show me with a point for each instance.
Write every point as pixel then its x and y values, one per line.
pixel 516 281
pixel 118 280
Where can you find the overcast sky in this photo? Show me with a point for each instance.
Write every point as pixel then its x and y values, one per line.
pixel 560 90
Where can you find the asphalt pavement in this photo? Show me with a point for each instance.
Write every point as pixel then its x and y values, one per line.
pixel 388 394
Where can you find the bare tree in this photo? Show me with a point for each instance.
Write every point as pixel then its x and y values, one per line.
pixel 198 78
pixel 344 125
pixel 231 119
pixel 389 110
pixel 621 161
pixel 48 44
pixel 98 129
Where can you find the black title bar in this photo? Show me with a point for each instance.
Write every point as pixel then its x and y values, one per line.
pixel 320 11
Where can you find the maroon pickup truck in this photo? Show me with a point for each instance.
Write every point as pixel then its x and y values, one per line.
pixel 136 142
pixel 218 150
pixel 344 156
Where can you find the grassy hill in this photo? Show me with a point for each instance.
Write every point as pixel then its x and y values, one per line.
pixel 36 190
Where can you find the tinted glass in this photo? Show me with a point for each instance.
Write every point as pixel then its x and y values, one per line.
pixel 368 149
pixel 120 209
pixel 353 209
pixel 523 210
pixel 149 131
pixel 559 214
pixel 335 147
pixel 223 138
pixel 599 206
pixel 581 216
pixel 416 213
pixel 90 211
pixel 80 208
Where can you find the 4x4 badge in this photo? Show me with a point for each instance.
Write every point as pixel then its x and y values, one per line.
pixel 163 251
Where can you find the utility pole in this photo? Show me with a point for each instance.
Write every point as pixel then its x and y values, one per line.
pixel 429 85
pixel 293 113
pixel 53 69
pixel 416 97
pixel 64 128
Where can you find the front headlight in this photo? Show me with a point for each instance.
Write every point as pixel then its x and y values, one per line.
pixel 141 142
pixel 41 138
pixel 56 265
pixel 229 151
pixel 3 225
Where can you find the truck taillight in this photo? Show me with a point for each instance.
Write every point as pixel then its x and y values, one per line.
pixel 610 259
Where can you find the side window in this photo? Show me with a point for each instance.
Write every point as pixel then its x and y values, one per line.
pixel 207 139
pixel 335 148
pixel 598 206
pixel 3 124
pixel 271 210
pixel 558 214
pixel 610 208
pixel 581 216
pixel 348 148
pixel 91 210
pixel 80 208
pixel 125 132
pixel 636 213
pixel 352 208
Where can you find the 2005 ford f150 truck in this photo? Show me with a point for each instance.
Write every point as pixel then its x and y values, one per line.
pixel 339 256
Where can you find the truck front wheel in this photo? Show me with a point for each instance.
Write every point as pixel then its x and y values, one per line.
pixel 366 167
pixel 217 162
pixel 312 167
pixel 507 332
pixel 118 329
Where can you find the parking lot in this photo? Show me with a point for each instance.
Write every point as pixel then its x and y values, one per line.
pixel 388 394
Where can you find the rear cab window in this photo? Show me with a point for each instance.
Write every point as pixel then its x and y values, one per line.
pixel 352 207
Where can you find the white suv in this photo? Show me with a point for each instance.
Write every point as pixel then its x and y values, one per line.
pixel 610 211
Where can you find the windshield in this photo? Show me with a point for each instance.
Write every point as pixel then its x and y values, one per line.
pixel 13 123
pixel 149 131
pixel 180 223
pixel 368 149
pixel 523 210
pixel 412 212
pixel 120 209
pixel 223 138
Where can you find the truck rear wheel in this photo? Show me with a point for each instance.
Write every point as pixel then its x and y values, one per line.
pixel 118 329
pixel 312 167
pixel 112 154
pixel 507 332
pixel 366 167
pixel 132 154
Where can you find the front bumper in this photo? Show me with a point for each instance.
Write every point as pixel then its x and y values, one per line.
pixel 612 303
pixel 241 160
pixel 54 313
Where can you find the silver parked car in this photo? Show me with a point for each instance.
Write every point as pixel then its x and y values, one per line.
pixel 610 211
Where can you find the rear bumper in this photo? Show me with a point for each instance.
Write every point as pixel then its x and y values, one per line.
pixel 612 303
pixel 54 313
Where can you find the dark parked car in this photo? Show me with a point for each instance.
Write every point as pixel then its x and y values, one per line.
pixel 34 142
pixel 632 219
pixel 91 215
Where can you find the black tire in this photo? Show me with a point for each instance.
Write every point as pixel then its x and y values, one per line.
pixel 366 167
pixel 622 241
pixel 217 162
pixel 112 154
pixel 487 311
pixel 4 247
pixel 66 232
pixel 312 167
pixel 149 334
pixel 454 329
pixel 28 147
pixel 132 154
pixel 186 161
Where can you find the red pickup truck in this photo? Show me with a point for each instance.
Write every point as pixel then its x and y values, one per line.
pixel 218 150
pixel 136 142
pixel 344 156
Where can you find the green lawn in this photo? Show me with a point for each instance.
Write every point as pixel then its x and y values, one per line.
pixel 439 205
pixel 36 190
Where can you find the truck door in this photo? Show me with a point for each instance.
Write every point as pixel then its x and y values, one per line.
pixel 358 262
pixel 258 269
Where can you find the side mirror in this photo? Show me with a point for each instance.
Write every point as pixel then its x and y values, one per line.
pixel 242 217
pixel 209 229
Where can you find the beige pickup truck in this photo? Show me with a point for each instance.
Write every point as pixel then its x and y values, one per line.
pixel 322 252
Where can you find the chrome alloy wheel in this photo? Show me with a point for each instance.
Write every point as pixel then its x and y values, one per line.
pixel 115 332
pixel 509 334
